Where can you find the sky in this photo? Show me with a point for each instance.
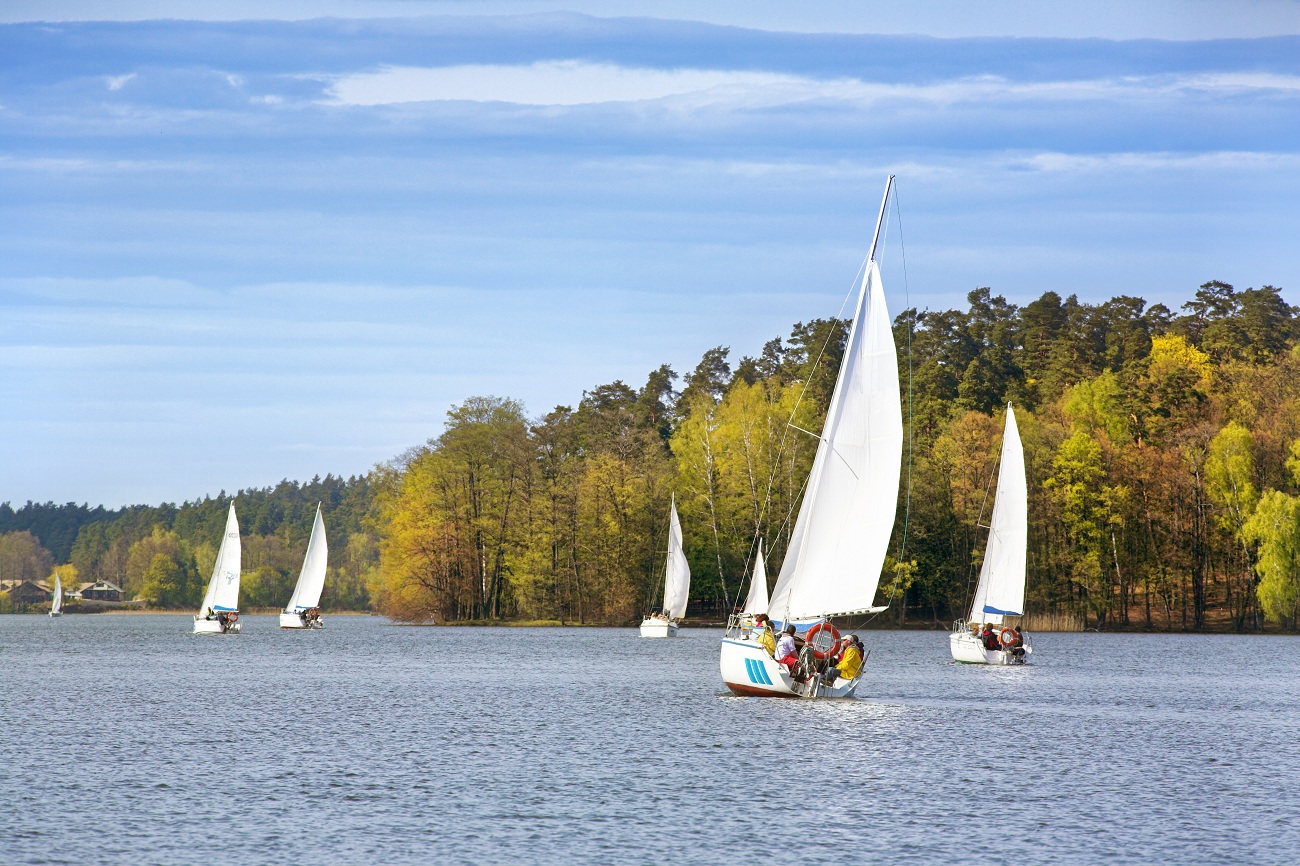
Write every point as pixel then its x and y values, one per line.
pixel 241 242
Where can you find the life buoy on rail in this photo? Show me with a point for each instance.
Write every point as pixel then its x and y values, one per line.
pixel 233 616
pixel 816 630
pixel 1007 636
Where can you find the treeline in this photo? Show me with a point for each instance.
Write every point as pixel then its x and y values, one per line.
pixel 1162 452
pixel 164 554
pixel 1162 448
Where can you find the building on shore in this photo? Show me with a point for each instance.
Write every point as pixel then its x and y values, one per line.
pixel 101 591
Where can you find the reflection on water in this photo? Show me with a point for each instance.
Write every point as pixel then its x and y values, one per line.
pixel 129 740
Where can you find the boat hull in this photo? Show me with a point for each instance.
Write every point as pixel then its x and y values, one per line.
pixel 967 648
pixel 56 613
pixel 212 626
pixel 658 628
pixel 293 620
pixel 747 670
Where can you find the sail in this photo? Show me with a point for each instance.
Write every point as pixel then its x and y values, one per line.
pixel 311 580
pixel 57 604
pixel 1001 589
pixel 223 588
pixel 677 574
pixel 837 549
pixel 756 601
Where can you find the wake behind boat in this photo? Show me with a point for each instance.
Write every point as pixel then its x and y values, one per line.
pixel 983 638
pixel 837 549
pixel 220 611
pixel 303 609
pixel 677 584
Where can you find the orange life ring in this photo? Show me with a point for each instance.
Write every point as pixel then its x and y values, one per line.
pixel 234 616
pixel 816 630
pixel 1007 636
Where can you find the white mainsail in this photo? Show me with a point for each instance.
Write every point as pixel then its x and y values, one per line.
pixel 839 541
pixel 756 601
pixel 223 587
pixel 677 573
pixel 56 606
pixel 1001 589
pixel 311 580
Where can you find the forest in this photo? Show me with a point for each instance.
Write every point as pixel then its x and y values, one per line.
pixel 1162 449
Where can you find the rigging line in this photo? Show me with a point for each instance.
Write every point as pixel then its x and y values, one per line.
pixel 970 573
pixel 911 436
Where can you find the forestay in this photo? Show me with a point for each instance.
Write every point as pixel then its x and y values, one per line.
pixel 1001 589
pixel 756 601
pixel 840 538
pixel 311 580
pixel 677 574
pixel 223 588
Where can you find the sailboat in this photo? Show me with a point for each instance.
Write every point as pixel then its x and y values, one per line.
pixel 677 584
pixel 837 548
pixel 56 606
pixel 220 611
pixel 1001 589
pixel 302 611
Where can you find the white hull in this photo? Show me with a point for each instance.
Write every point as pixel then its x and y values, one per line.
pixel 967 648
pixel 212 626
pixel 293 620
pixel 56 613
pixel 748 670
pixel 658 628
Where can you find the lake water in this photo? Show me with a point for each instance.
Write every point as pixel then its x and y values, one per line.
pixel 126 740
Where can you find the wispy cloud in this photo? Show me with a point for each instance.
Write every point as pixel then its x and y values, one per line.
pixel 117 82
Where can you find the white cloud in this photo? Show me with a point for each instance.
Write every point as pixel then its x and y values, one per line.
pixel 116 82
pixel 573 82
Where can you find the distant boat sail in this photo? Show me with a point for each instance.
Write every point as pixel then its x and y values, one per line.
pixel 837 548
pixel 677 583
pixel 303 609
pixel 56 605
pixel 219 613
pixel 1001 589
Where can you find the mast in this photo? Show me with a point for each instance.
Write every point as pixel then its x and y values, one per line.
pixel 880 220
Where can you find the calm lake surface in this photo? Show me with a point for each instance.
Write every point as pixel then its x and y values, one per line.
pixel 127 740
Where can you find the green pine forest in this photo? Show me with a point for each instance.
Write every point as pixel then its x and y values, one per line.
pixel 1162 448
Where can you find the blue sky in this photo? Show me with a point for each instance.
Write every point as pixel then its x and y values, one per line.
pixel 238 250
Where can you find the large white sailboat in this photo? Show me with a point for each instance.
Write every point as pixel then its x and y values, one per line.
pixel 837 549
pixel 677 584
pixel 302 611
pixel 220 611
pixel 1001 589
pixel 56 604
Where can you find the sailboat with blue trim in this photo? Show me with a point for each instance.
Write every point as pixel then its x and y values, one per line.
pixel 837 548
pixel 1000 592
pixel 219 613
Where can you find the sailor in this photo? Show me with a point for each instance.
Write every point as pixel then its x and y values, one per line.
pixel 1017 643
pixel 990 638
pixel 847 663
pixel 762 632
pixel 786 649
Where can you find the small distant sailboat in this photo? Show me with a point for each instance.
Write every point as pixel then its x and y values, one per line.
pixel 56 606
pixel 303 610
pixel 677 584
pixel 220 611
pixel 1001 589
pixel 837 548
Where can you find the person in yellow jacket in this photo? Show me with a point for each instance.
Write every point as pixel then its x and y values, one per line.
pixel 763 634
pixel 849 662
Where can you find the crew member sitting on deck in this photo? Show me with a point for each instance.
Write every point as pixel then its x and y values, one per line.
pixel 1017 643
pixel 786 649
pixel 762 633
pixel 847 663
pixel 990 638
